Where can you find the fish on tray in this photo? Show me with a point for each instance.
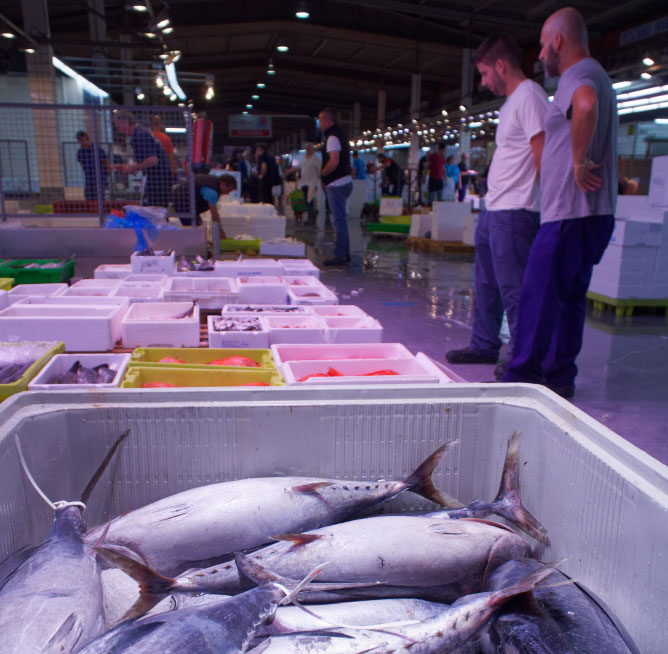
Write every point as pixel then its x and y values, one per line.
pixel 237 325
pixel 78 374
pixel 236 360
pixel 170 360
pixel 157 384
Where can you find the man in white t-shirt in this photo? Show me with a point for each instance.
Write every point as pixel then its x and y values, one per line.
pixel 310 177
pixel 508 226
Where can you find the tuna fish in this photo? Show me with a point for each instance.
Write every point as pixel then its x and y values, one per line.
pixel 51 597
pixel 223 627
pixel 564 619
pixel 204 524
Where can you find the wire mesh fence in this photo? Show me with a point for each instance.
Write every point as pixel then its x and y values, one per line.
pixel 66 160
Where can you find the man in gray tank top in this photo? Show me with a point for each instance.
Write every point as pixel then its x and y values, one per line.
pixel 578 200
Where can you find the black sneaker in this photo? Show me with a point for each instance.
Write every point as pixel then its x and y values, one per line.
pixel 467 355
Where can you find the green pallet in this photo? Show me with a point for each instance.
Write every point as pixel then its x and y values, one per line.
pixel 395 220
pixel 232 245
pixel 626 306
pixel 388 228
pixel 15 268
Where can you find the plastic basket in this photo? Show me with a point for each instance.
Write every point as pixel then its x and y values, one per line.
pixel 388 228
pixel 199 357
pixel 22 384
pixel 395 220
pixel 6 283
pixel 182 376
pixel 232 245
pixel 15 268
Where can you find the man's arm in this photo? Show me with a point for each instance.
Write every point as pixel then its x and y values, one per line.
pixel 537 142
pixel 332 163
pixel 215 217
pixel 149 162
pixel 583 125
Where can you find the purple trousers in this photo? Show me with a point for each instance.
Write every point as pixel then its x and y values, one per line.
pixel 552 305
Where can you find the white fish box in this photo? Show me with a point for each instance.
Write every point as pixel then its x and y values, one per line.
pixel 113 271
pixel 311 295
pixel 61 363
pixel 357 371
pixel 266 227
pixel 42 290
pixel 89 291
pixel 97 283
pixel 161 264
pixel 448 220
pixel 635 232
pixel 658 182
pixel 148 279
pixel 280 248
pixel 294 329
pixel 420 225
pixel 391 206
pixel 262 289
pixel 352 329
pixel 303 280
pixel 4 302
pixel 264 310
pixel 328 352
pixel 602 500
pixel 211 293
pixel 299 267
pixel 339 310
pixel 154 324
pixel 139 293
pixel 240 338
pixel 81 328
pixel 248 267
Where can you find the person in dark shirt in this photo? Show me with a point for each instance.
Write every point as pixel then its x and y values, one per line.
pixel 394 174
pixel 266 171
pixel 149 158
pixel 208 188
pixel 86 156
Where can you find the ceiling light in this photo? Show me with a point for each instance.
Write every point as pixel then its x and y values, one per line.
pixel 444 112
pixel 168 30
pixel 245 113
pixel 271 71
pixel 302 10
pixel 261 85
pixel 249 106
pixel 209 93
pixel 167 90
pixel 8 35
pixel 661 121
pixel 255 97
pixel 140 96
pixel 173 97
pixel 140 7
pixel 150 35
pixel 284 48
pixel 648 61
pixel 159 82
pixel 462 107
pixel 621 85
pixel 29 50
pixel 645 76
pixel 163 55
pixel 163 23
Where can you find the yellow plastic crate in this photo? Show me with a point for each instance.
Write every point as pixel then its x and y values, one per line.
pixel 6 283
pixel 194 357
pixel 22 384
pixel 181 376
pixel 396 220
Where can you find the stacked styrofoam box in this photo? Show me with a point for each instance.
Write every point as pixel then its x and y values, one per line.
pixel 211 293
pixel 448 220
pixel 81 328
pixel 247 267
pixel 391 206
pixel 266 227
pixel 283 247
pixel 313 352
pixel 658 185
pixel 294 329
pixel 113 271
pixel 262 289
pixel 139 293
pixel 420 225
pixel 312 294
pixel 235 338
pixel 635 263
pixel 299 267
pixel 40 290
pixel 249 310
pixel 338 310
pixel 470 225
pixel 61 363
pixel 147 280
pixel 352 329
pixel 161 264
pixel 155 324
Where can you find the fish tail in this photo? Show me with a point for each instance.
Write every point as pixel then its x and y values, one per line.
pixel 152 586
pixel 524 585
pixel 420 482
pixel 103 466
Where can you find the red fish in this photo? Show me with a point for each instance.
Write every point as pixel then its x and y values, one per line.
pixel 235 361
pixel 159 385
pixel 170 360
pixel 379 372
pixel 331 372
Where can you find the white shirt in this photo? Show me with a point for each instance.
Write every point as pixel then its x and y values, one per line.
pixel 310 169
pixel 334 145
pixel 512 182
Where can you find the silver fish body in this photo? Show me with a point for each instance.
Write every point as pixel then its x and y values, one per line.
pixel 191 528
pixel 54 598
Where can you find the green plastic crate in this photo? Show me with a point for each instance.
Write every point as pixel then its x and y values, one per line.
pixel 388 228
pixel 395 220
pixel 182 376
pixel 22 384
pixel 6 283
pixel 232 245
pixel 194 357
pixel 15 268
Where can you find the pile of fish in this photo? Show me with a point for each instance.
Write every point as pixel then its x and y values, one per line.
pixel 35 265
pixel 237 325
pixel 12 372
pixel 333 372
pixel 16 358
pixel 185 265
pixel 79 374
pixel 263 308
pixel 234 360
pixel 211 582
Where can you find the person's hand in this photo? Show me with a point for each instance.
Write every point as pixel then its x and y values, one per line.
pixel 585 177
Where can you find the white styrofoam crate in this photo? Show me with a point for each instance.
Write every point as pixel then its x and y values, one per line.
pixel 628 205
pixel 161 265
pixel 113 271
pixel 629 232
pixel 602 500
pixel 154 324
pixel 311 295
pixel 299 270
pixel 89 291
pixel 355 371
pixel 43 290
pixel 4 302
pixel 262 289
pixel 294 329
pixel 420 224
pixel 352 329
pixel 147 279
pixel 470 226
pixel 81 328
pixel 448 220
pixel 658 183
pixel 138 293
pixel 327 352
pixel 622 267
pixel 61 363
pixel 249 267
pixel 280 248
pixel 96 283
pixel 302 280
pixel 391 206
pixel 247 309
pixel 211 293
pixel 428 364
pixel 235 339
pixel 338 310
pixel 266 227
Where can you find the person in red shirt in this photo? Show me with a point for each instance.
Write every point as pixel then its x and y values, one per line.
pixel 436 162
pixel 158 130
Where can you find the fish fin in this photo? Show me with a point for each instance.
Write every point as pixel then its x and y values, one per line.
pixel 524 585
pixel 420 480
pixel 482 521
pixel 311 488
pixel 260 647
pixel 66 637
pixel 103 466
pixel 508 503
pixel 152 585
pixel 297 539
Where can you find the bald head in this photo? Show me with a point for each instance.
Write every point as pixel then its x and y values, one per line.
pixel 563 41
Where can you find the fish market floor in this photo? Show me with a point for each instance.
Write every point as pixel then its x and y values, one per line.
pixel 426 302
